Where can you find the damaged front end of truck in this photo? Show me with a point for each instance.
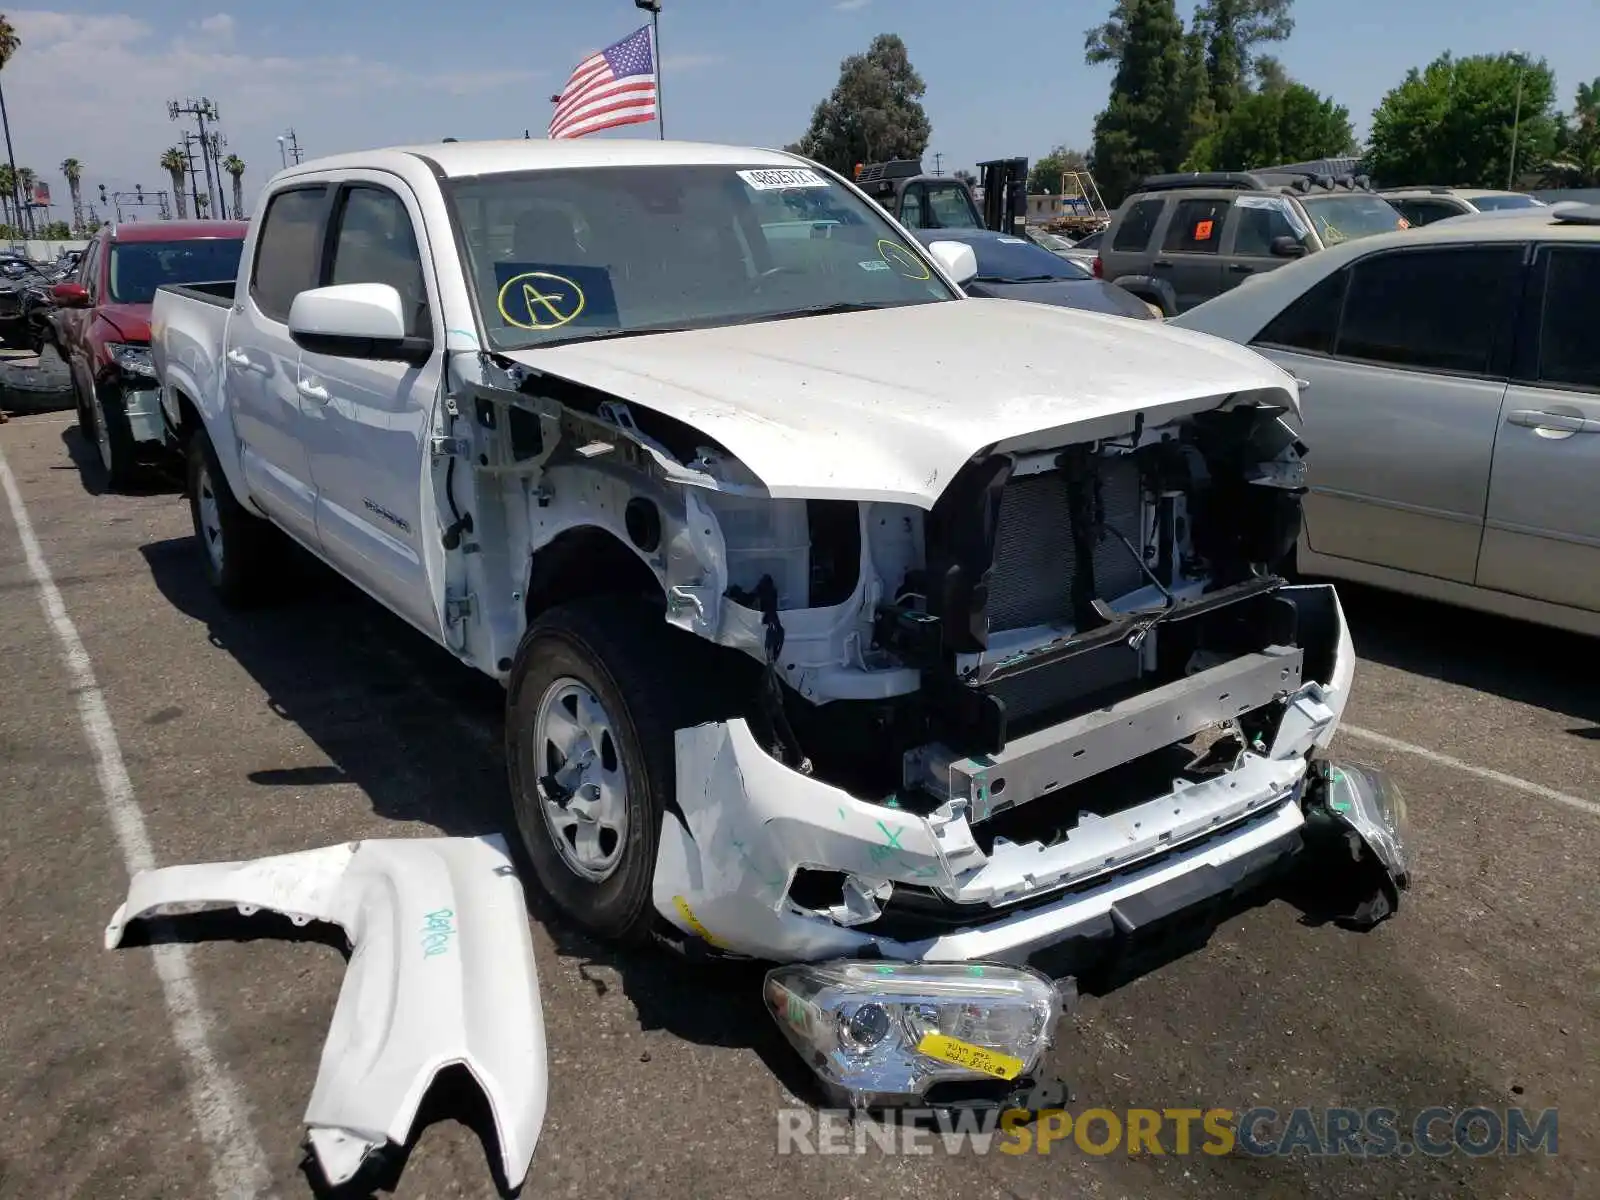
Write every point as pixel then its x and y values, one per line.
pixel 985 737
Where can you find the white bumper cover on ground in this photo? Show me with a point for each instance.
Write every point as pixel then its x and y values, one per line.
pixel 441 974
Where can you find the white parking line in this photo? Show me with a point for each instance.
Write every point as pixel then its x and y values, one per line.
pixel 1444 760
pixel 238 1164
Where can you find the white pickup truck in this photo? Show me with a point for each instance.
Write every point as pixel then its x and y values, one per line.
pixel 842 617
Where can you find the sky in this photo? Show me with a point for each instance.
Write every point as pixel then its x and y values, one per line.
pixel 92 80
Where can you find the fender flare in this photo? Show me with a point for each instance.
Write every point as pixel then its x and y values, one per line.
pixel 441 974
pixel 1148 287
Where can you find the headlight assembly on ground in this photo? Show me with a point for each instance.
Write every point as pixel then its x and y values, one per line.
pixel 882 1034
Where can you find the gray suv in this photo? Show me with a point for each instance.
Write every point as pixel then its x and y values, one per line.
pixel 1181 239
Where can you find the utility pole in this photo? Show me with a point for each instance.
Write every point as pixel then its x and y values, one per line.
pixel 216 145
pixel 194 180
pixel 653 7
pixel 938 164
pixel 201 110
pixel 16 184
pixel 289 148
pixel 1516 120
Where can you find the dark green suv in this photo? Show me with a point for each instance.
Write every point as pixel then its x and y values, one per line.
pixel 1179 240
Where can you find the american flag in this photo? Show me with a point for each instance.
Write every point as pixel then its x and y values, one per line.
pixel 614 87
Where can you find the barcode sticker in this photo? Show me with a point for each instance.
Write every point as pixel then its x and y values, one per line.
pixel 778 178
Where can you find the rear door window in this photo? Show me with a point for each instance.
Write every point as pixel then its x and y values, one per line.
pixel 1196 227
pixel 1569 324
pixel 287 249
pixel 1439 309
pixel 1138 224
pixel 1311 323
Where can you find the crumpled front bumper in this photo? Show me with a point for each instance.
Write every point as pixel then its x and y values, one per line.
pixel 746 824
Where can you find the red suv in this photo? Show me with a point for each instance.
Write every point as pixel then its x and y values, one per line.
pixel 102 326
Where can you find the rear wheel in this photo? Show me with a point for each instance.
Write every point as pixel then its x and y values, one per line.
pixel 238 550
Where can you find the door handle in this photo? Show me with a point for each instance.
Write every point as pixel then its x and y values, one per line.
pixel 1533 418
pixel 311 391
pixel 1240 269
pixel 1161 264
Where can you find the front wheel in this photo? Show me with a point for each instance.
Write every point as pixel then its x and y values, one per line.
pixel 596 692
pixel 114 438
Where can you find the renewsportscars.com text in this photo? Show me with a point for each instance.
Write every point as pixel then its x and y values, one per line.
pixel 1260 1132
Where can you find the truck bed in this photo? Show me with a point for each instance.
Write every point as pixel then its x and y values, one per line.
pixel 220 293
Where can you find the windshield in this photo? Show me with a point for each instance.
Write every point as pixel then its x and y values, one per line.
pixel 138 268
pixel 1345 217
pixel 1013 260
pixel 561 255
pixel 952 207
pixel 1051 242
pixel 1496 203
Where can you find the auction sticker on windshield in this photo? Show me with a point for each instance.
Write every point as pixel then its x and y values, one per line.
pixel 779 178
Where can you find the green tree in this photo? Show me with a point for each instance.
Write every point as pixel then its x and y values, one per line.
pixel 174 164
pixel 1577 152
pixel 966 176
pixel 56 231
pixel 8 192
pixel 1230 30
pixel 1288 124
pixel 234 166
pixel 10 43
pixel 1158 101
pixel 1451 122
pixel 1046 173
pixel 73 170
pixel 874 112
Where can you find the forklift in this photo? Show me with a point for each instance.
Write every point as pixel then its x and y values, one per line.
pixel 921 201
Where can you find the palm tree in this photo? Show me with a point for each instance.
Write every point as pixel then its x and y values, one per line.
pixel 174 164
pixel 234 166
pixel 8 189
pixel 10 43
pixel 73 170
pixel 25 178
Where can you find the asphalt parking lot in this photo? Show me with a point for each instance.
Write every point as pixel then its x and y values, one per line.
pixel 183 1070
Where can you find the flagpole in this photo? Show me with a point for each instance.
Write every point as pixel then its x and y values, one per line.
pixel 653 7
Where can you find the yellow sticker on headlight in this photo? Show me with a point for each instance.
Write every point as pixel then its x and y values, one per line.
pixel 964 1054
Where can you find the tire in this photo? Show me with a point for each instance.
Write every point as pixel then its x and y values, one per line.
pixel 240 552
pixel 85 417
pixel 113 437
pixel 618 653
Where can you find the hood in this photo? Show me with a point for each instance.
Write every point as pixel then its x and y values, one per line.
pixel 888 405
pixel 131 321
pixel 1091 295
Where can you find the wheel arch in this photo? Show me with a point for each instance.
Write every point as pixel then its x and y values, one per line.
pixel 586 561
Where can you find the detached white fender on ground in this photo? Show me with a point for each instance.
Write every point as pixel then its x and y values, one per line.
pixel 441 973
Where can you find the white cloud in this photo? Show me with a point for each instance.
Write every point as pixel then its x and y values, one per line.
pixel 851 5
pixel 219 26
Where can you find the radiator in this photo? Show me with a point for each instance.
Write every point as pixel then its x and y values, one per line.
pixel 1031 583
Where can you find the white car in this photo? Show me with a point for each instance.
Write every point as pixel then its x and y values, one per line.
pixel 841 616
pixel 1451 401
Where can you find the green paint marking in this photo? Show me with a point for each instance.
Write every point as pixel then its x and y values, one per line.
pixel 978 971
pixel 885 970
pixel 842 817
pixel 894 837
pixel 892 802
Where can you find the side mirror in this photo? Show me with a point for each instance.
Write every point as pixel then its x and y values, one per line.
pixel 356 320
pixel 957 259
pixel 69 295
pixel 1285 246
